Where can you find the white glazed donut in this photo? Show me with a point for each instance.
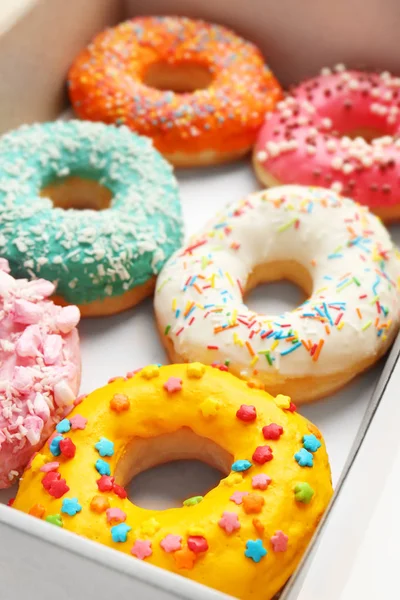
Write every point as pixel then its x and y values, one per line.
pixel 338 252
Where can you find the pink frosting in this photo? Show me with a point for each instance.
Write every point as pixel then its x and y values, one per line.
pixel 306 140
pixel 39 368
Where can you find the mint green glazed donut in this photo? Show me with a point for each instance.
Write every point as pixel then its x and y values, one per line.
pixel 92 255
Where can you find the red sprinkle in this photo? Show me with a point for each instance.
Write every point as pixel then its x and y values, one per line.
pixel 54 485
pixel 105 483
pixel 49 478
pixel 220 367
pixel 119 490
pixel 10 502
pixel 247 413
pixel 197 543
pixel 68 448
pixel 272 431
pixel 262 454
pixel 292 407
pixel 212 347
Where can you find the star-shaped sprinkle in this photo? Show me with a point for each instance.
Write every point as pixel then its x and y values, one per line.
pixel 195 370
pixel 196 531
pixel 150 372
pixel 37 510
pixel 209 407
pixel 50 466
pixel 63 426
pixel 192 501
pixel 67 448
pixel 258 526
pixel 54 485
pixel 237 497
pixel 232 479
pixel 279 541
pixel 260 481
pixel 197 544
pixel 229 522
pixel 171 543
pixel 311 443
pixel 303 492
pixel 304 458
pixel 142 549
pixel 173 384
pixel 71 506
pixel 55 445
pixel 253 503
pixel 54 520
pixel 119 403
pixel 184 559
pixel 105 447
pixel 119 533
pixel 262 454
pixel 247 413
pixel 272 431
pixel 99 504
pixel 102 467
pixel 120 491
pixel 115 514
pixel 241 465
pixel 105 483
pixel 282 401
pixel 150 527
pixel 78 422
pixel 255 550
pixel 38 461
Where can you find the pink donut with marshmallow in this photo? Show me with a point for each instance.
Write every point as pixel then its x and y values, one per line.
pixel 39 368
pixel 339 130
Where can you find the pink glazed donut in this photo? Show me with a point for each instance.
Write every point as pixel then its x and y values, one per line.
pixel 39 368
pixel 338 130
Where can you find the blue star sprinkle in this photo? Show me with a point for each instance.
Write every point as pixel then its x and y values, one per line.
pixel 71 506
pixel 63 426
pixel 102 467
pixel 55 445
pixel 255 550
pixel 241 465
pixel 311 443
pixel 104 447
pixel 119 533
pixel 304 458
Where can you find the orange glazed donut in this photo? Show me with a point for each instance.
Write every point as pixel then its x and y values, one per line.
pixel 246 536
pixel 197 89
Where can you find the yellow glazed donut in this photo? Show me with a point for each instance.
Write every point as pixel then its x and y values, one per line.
pixel 246 536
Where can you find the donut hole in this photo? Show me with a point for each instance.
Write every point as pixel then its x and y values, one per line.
pixel 277 287
pixel 181 78
pixel 163 471
pixel 78 193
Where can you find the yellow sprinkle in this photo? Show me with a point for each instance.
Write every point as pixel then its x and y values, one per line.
pixel 195 530
pixel 150 527
pixel 195 370
pixel 229 278
pixel 232 479
pixel 274 345
pixel 212 283
pixel 174 304
pixel 150 372
pixel 341 325
pixel 234 317
pixel 321 290
pixel 282 401
pixel 254 360
pixel 38 462
pixel 237 340
pixel 209 407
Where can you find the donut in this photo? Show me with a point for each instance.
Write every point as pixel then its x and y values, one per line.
pixel 91 207
pixel 338 130
pixel 39 368
pixel 197 89
pixel 261 515
pixel 335 250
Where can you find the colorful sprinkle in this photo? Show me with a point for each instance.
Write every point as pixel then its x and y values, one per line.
pixel 260 481
pixel 241 465
pixel 174 384
pixel 171 543
pixel 150 372
pixel 192 501
pixel 237 497
pixel 141 549
pixel 262 454
pixel 311 443
pixel 119 533
pixel 115 515
pixel 303 492
pixel 304 458
pixel 63 426
pixel 54 520
pixel 255 550
pixel 99 504
pixel 105 447
pixel 229 522
pixel 102 467
pixel 279 541
pixel 272 431
pixel 78 422
pixel 253 503
pixel 55 445
pixel 71 506
pixel 197 544
pixel 247 413
pixel 195 370
pixel 119 403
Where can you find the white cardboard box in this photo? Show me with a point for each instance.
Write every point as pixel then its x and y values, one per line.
pixel 35 52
